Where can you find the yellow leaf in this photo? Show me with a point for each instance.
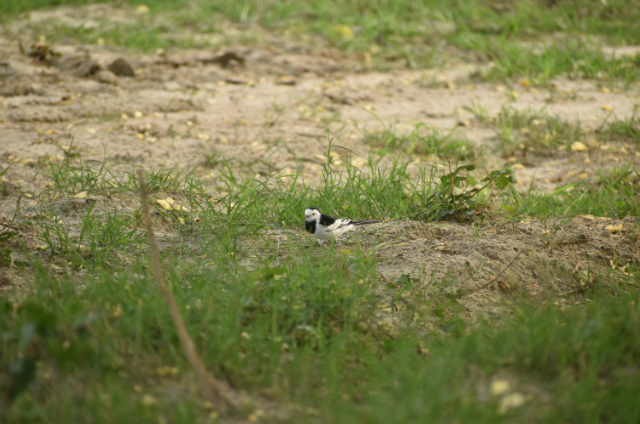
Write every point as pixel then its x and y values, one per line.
pixel 499 387
pixel 117 311
pixel 256 415
pixel 80 195
pixel 511 401
pixel 607 108
pixel 359 162
pixel 614 228
pixel 344 31
pixel 167 203
pixel 579 147
pixel 142 9
pixel 148 400
pixel 166 371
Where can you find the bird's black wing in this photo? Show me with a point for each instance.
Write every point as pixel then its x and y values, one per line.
pixel 326 220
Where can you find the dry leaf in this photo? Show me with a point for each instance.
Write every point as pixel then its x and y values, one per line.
pixel 117 311
pixel 359 162
pixel 81 195
pixel 344 31
pixel 166 204
pixel 256 415
pixel 499 387
pixel 165 371
pixel 142 9
pixel 579 147
pixel 511 401
pixel 286 80
pixel 148 400
pixel 614 228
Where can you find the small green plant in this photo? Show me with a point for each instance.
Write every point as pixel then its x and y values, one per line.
pixel 70 178
pixel 213 160
pixel 456 194
pixel 479 112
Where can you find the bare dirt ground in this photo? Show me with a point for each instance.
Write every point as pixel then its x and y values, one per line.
pixel 272 109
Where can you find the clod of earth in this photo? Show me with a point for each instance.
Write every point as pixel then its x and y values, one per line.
pixel 121 68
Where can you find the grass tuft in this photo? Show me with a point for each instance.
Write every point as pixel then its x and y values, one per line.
pixel 613 195
pixel 621 130
pixel 423 140
pixel 536 132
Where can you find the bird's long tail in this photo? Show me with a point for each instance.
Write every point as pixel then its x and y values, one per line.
pixel 366 221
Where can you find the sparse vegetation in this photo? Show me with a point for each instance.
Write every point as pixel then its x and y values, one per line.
pixel 393 33
pixel 423 141
pixel 534 132
pixel 621 130
pixel 614 194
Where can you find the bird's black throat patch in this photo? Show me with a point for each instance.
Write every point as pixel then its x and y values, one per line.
pixel 310 226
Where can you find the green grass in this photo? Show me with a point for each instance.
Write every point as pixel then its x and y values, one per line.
pixel 90 339
pixel 146 39
pixel 615 194
pixel 621 130
pixel 536 132
pixel 14 7
pixel 394 33
pixel 536 345
pixel 423 141
pixel 569 58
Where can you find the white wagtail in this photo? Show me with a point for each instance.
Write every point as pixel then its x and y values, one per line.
pixel 325 227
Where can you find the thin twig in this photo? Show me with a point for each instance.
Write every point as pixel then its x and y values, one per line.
pixel 495 277
pixel 217 391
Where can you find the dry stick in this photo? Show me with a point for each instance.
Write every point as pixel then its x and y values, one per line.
pixel 217 391
pixel 495 277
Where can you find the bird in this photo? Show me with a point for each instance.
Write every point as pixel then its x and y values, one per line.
pixel 326 227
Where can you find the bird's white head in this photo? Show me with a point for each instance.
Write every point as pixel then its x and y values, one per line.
pixel 312 214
